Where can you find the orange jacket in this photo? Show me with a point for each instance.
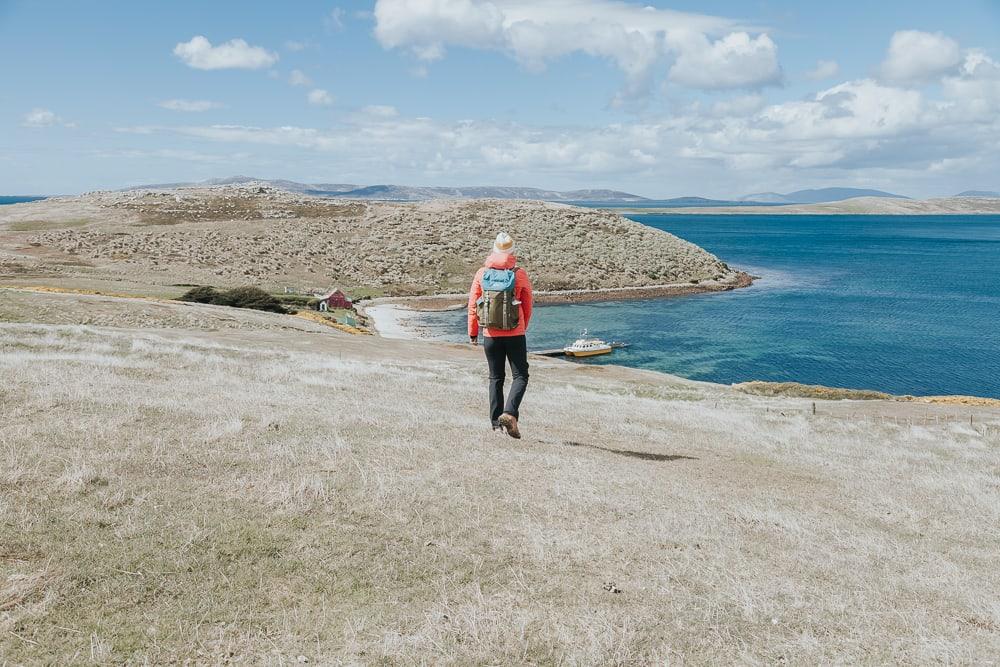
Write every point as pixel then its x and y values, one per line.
pixel 522 292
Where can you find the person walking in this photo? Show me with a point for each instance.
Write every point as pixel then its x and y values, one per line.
pixel 500 303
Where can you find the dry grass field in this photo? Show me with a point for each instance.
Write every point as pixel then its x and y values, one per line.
pixel 276 494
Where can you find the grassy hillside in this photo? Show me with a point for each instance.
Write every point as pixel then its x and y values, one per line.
pixel 237 235
pixel 261 493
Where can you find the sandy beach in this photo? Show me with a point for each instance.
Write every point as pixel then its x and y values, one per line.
pixel 397 321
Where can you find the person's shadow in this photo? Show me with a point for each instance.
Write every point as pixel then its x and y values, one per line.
pixel 643 456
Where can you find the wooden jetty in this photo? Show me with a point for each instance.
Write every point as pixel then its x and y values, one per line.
pixel 559 352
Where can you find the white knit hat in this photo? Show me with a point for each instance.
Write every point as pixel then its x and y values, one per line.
pixel 504 244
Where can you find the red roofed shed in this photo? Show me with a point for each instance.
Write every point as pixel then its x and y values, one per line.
pixel 335 299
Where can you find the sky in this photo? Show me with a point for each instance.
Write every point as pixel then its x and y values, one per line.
pixel 667 98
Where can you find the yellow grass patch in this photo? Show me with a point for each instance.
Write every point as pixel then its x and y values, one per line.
pixel 797 390
pixel 320 319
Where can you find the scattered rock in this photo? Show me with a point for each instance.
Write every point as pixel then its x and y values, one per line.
pixel 255 234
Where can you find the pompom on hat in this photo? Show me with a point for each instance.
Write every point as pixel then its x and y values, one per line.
pixel 504 244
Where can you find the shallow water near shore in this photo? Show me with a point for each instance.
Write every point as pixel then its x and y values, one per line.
pixel 903 304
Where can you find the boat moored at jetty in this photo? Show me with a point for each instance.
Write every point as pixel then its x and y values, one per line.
pixel 587 347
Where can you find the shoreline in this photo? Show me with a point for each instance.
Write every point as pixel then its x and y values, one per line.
pixel 397 318
pixel 875 206
pixel 386 319
pixel 390 323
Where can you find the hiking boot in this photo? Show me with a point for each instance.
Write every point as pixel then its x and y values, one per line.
pixel 509 424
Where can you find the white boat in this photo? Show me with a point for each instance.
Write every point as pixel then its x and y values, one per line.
pixel 587 347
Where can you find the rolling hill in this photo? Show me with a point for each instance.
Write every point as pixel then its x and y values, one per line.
pixel 819 196
pixel 388 192
pixel 989 194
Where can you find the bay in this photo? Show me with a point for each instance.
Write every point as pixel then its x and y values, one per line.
pixel 903 304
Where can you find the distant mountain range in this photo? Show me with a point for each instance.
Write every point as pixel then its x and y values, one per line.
pixel 993 194
pixel 816 196
pixel 609 197
pixel 418 193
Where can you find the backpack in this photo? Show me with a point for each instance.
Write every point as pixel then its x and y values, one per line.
pixel 497 308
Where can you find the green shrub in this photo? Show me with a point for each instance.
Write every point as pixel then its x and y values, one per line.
pixel 240 297
pixel 203 294
pixel 253 298
pixel 296 299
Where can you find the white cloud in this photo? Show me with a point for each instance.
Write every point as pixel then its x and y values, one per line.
pixel 299 78
pixel 189 105
pixel 918 57
pixel 44 118
pixel 335 19
pixel 234 54
pixel 173 154
pixel 825 69
pixel 743 105
pixel 852 110
pixel 845 134
pixel 856 132
pixel 633 36
pixel 39 118
pixel 975 88
pixel 319 97
pixel 419 143
pixel 735 61
pixel 380 111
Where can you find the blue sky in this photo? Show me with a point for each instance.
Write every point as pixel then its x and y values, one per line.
pixel 661 99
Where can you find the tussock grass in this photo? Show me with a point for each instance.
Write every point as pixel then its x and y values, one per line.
pixel 235 235
pixel 208 497
pixel 45 225
pixel 798 390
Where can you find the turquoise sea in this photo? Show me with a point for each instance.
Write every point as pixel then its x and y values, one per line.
pixel 903 304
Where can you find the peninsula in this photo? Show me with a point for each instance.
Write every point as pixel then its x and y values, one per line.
pixel 155 242
pixel 970 205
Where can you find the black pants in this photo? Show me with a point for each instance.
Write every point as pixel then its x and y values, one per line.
pixel 500 350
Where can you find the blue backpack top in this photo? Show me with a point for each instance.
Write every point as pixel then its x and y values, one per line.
pixel 498 280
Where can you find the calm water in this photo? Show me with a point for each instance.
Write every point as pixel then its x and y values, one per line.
pixel 904 304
